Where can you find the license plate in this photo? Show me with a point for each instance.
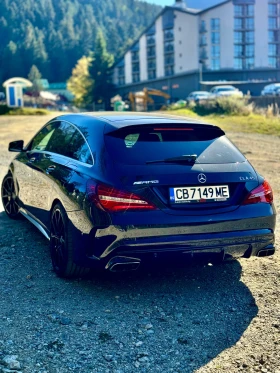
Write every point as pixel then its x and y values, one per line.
pixel 200 194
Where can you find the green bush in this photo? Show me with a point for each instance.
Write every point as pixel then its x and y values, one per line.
pixel 28 111
pixel 5 110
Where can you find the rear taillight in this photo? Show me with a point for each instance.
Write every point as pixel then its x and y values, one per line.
pixel 262 193
pixel 115 200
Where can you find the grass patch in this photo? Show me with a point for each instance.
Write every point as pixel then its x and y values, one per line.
pixel 5 110
pixel 253 123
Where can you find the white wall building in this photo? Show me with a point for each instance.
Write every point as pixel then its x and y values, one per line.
pixel 235 40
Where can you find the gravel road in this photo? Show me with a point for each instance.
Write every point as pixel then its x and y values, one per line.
pixel 199 318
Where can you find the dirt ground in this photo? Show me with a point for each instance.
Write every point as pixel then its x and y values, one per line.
pixel 220 318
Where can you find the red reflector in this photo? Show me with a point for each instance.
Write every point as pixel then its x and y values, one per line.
pixel 112 199
pixel 173 129
pixel 262 193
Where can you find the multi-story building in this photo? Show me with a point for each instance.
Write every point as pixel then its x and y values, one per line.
pixel 236 40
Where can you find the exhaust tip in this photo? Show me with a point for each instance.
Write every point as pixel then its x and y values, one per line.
pixel 266 252
pixel 123 264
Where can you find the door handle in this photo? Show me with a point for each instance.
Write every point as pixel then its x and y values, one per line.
pixel 33 159
pixel 50 169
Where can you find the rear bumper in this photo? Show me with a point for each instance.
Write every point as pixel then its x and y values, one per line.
pixel 234 238
pixel 232 244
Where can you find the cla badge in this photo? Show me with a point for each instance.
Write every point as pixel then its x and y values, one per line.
pixel 202 178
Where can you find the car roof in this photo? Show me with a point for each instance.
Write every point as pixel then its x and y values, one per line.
pixel 224 86
pixel 199 92
pixel 114 120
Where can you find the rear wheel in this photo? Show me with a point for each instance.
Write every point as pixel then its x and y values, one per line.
pixel 8 196
pixel 61 245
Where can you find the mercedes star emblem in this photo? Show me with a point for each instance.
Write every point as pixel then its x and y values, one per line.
pixel 202 178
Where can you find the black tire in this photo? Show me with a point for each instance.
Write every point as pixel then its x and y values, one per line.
pixel 8 196
pixel 61 245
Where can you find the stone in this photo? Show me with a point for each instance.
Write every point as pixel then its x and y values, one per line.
pixel 148 326
pixel 11 362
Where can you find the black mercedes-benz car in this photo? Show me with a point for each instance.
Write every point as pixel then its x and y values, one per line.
pixel 112 191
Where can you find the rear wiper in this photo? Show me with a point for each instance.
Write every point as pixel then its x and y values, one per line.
pixel 187 159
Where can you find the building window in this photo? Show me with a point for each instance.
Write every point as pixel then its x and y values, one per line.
pixel 272 10
pixel 272 62
pixel 169 70
pixel 249 23
pixel 272 23
pixel 151 57
pixel 250 50
pixel 238 25
pixel 121 75
pixel 238 51
pixel 135 66
pixel 249 37
pixel 151 40
pixel 203 40
pixel 272 49
pixel 238 37
pixel 169 34
pixel 169 51
pixel 215 51
pixel 215 64
pixel 249 63
pixel 273 33
pixel 202 44
pixel 215 40
pixel 202 28
pixel 249 10
pixel 238 10
pixel 244 37
pixel 215 24
pixel 151 51
pixel 238 63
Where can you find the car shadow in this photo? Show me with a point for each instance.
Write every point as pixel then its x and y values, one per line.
pixel 184 315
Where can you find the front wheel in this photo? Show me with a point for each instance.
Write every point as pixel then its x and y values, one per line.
pixel 8 196
pixel 61 245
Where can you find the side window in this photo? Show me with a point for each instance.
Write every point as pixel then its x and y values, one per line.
pixel 61 140
pixel 42 139
pixel 80 149
pixel 68 141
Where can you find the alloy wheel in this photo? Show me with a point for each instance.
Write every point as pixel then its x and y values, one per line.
pixel 58 241
pixel 8 195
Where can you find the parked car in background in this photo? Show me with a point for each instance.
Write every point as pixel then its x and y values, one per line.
pixel 113 191
pixel 224 91
pixel 271 90
pixel 277 92
pixel 197 96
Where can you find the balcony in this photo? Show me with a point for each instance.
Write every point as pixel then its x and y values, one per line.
pixel 202 29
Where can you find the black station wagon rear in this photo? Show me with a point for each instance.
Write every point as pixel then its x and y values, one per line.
pixel 113 191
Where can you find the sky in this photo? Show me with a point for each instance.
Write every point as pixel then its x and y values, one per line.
pixel 199 4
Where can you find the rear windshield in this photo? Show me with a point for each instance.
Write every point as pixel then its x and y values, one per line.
pixel 138 145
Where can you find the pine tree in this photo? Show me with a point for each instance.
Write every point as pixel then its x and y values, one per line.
pixel 99 70
pixel 34 76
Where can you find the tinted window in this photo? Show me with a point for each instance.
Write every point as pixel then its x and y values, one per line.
pixel 133 145
pixel 68 141
pixel 42 139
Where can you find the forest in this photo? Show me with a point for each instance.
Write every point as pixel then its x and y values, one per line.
pixel 55 34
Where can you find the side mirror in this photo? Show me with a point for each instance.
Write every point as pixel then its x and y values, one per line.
pixel 16 146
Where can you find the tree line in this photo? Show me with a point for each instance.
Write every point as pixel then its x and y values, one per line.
pixel 54 34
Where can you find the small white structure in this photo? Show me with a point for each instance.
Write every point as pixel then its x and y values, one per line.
pixel 14 91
